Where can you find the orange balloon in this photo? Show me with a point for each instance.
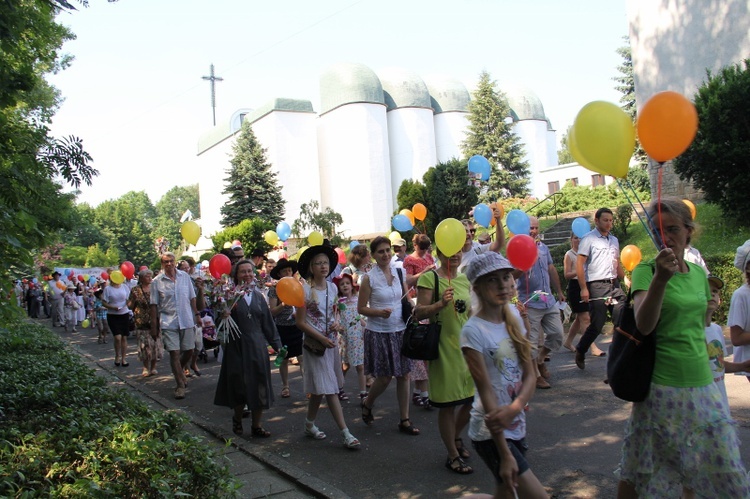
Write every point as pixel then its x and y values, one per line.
pixel 666 126
pixel 691 207
pixel 291 292
pixel 408 214
pixel 420 211
pixel 630 256
pixel 493 222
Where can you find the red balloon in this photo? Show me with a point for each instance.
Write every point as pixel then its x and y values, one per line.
pixel 219 265
pixel 143 267
pixel 522 252
pixel 80 278
pixel 342 255
pixel 105 276
pixel 127 269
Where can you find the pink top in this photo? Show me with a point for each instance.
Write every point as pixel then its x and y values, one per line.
pixel 413 265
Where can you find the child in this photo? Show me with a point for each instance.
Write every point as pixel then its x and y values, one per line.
pixel 101 316
pixel 352 339
pixel 717 350
pixel 70 302
pixel 499 357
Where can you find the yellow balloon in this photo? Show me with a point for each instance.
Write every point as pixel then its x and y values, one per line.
pixel 116 277
pixel 605 138
pixel 190 231
pixel 450 236
pixel 691 207
pixel 393 236
pixel 227 245
pixel 573 148
pixel 271 237
pixel 299 253
pixel 86 323
pixel 315 238
pixel 408 214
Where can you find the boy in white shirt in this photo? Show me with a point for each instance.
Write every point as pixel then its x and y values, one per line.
pixel 715 344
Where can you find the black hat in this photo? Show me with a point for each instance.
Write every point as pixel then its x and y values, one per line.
pixel 281 265
pixel 258 252
pixel 311 252
pixel 55 273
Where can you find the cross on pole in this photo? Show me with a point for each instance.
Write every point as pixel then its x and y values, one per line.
pixel 213 79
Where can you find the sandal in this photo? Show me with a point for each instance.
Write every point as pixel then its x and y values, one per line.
pixel 416 399
pixel 285 392
pixel 367 417
pixel 313 431
pixel 125 364
pixel 237 426
pixel 463 452
pixel 408 429
pixel 343 396
pixel 259 432
pixel 457 465
pixel 351 442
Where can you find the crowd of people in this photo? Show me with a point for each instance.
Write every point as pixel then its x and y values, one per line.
pixel 498 326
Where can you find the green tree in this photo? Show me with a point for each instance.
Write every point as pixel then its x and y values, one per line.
pixel 564 155
pixel 84 231
pixel 130 220
pixel 251 185
pixel 490 136
pixel 171 207
pixel 410 192
pixel 311 218
pixel 74 255
pixel 626 86
pixel 449 194
pixel 249 232
pixel 34 166
pixel 717 161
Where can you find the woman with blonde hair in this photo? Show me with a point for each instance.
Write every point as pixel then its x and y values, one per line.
pixel 498 354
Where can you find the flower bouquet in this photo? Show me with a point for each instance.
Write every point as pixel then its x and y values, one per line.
pixel 224 297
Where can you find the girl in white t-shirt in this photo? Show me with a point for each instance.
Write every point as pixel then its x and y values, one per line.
pixel 498 354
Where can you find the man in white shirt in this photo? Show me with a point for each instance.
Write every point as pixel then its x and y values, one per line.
pixel 472 249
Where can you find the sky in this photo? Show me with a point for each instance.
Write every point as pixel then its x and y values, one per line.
pixel 135 95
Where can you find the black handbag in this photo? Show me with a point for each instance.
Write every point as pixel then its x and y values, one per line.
pixel 406 306
pixel 631 357
pixel 422 341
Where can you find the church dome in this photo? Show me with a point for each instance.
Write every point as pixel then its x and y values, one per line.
pixel 447 94
pixel 348 83
pixel 402 88
pixel 524 104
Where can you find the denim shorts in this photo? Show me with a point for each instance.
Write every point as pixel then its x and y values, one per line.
pixel 489 453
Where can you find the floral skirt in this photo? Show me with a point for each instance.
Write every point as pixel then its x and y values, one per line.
pixel 683 437
pixel 383 354
pixel 149 348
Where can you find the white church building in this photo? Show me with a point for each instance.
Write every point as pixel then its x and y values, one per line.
pixel 372 131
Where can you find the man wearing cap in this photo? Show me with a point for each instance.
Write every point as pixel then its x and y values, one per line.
pixel 398 246
pixel 173 308
pixel 237 254
pixel 599 274
pixel 55 296
pixel 544 315
pixel 739 308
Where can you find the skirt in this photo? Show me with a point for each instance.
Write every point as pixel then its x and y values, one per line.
pixel 683 437
pixel 383 354
pixel 292 338
pixel 574 297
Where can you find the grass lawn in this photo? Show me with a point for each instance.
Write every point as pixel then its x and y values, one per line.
pixel 715 236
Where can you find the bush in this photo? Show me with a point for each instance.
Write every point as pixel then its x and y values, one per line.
pixel 723 267
pixel 623 218
pixel 65 433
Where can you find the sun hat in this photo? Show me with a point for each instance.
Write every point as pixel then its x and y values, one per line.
pixel 485 263
pixel 310 253
pixel 398 242
pixel 71 286
pixel 257 252
pixel 742 256
pixel 55 273
pixel 282 264
pixel 716 281
pixel 341 277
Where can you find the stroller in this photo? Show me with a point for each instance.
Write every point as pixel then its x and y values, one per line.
pixel 210 339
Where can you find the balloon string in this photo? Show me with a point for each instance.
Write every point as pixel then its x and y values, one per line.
pixel 658 204
pixel 651 234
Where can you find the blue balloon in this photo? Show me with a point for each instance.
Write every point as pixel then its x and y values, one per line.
pixel 479 164
pixel 402 223
pixel 483 215
pixel 518 222
pixel 283 231
pixel 353 245
pixel 35 280
pixel 92 280
pixel 581 227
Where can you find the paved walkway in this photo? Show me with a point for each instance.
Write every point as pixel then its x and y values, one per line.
pixel 574 432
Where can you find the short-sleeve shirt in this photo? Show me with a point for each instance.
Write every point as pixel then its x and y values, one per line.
pixel 537 279
pixel 117 296
pixel 413 265
pixel 602 253
pixel 681 358
pixel 739 315
pixel 717 352
pixel 173 300
pixel 504 369
pixel 468 256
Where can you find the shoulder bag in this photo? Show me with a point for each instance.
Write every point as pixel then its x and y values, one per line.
pixel 631 357
pixel 421 341
pixel 309 343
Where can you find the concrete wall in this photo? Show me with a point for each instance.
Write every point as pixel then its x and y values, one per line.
pixel 450 132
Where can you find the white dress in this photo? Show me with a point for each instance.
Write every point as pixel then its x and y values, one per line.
pixel 322 375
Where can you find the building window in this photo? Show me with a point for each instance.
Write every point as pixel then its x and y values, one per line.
pixel 573 182
pixel 553 187
pixel 597 180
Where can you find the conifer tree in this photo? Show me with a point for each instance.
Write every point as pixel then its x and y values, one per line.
pixel 490 136
pixel 252 187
